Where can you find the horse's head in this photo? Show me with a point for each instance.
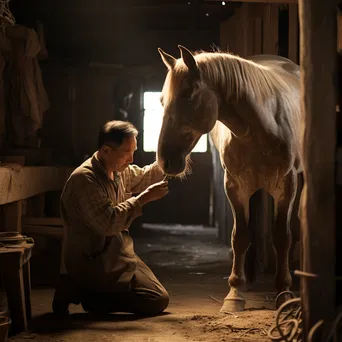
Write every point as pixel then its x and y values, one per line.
pixel 190 110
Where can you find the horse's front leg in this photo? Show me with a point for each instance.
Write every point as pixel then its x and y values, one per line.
pixel 241 237
pixel 284 198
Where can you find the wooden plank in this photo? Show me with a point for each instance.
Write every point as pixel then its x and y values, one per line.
pixel 56 232
pixel 229 41
pixel 339 42
pixel 225 35
pixel 30 181
pixel 318 34
pixel 13 159
pixel 257 43
pixel 43 221
pixel 12 217
pixel 36 205
pixel 246 27
pixel 293 33
pixel 270 29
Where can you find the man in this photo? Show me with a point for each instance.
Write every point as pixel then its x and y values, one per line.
pixel 103 272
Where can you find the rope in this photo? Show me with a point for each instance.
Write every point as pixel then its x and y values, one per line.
pixel 288 320
pixel 288 325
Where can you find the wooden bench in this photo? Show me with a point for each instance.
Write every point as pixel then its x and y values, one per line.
pixel 18 184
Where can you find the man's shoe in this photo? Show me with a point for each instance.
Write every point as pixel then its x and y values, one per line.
pixel 66 293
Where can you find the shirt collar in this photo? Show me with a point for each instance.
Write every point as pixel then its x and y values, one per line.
pixel 99 167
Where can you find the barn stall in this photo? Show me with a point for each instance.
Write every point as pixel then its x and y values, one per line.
pixel 99 62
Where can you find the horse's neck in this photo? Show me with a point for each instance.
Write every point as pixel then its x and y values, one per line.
pixel 232 117
pixel 242 118
pixel 240 115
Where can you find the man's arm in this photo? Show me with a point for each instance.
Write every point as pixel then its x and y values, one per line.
pixel 141 178
pixel 97 210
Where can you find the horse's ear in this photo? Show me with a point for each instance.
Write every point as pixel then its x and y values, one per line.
pixel 188 58
pixel 168 60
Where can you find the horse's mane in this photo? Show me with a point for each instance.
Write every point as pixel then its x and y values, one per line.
pixel 234 75
pixel 238 76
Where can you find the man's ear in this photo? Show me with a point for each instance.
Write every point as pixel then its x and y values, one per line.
pixel 105 149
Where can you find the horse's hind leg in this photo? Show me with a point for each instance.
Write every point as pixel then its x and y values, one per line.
pixel 284 198
pixel 240 239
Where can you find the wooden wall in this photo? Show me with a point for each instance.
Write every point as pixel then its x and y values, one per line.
pixel 81 100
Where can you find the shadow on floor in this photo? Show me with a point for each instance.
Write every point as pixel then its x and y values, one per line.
pixel 49 323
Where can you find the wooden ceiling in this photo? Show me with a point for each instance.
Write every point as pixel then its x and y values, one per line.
pixel 149 14
pixel 89 27
pixel 112 29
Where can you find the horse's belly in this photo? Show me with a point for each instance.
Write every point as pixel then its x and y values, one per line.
pixel 252 171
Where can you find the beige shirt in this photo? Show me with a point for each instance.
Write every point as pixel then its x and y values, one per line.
pixel 97 213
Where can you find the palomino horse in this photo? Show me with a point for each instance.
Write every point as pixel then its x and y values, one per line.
pixel 251 107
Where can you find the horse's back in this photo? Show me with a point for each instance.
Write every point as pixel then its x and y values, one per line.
pixel 277 62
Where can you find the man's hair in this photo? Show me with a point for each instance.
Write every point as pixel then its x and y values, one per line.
pixel 114 132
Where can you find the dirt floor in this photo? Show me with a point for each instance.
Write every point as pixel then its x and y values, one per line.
pixel 193 266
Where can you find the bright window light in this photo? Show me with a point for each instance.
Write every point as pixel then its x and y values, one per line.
pixel 153 116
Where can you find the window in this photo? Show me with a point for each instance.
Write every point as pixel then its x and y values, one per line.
pixel 153 116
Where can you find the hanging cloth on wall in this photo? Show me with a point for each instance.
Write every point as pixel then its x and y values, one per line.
pixel 28 99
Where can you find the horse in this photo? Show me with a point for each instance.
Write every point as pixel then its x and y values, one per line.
pixel 251 108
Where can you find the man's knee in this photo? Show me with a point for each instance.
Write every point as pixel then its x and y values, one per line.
pixel 164 301
pixel 154 306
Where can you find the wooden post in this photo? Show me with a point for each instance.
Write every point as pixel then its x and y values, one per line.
pixel 318 37
pixel 339 25
pixel 270 29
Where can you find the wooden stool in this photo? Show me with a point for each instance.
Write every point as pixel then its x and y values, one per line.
pixel 15 267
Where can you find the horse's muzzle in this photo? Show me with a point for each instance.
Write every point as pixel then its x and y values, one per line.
pixel 172 167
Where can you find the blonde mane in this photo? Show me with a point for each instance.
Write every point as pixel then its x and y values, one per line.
pixel 239 76
pixel 233 76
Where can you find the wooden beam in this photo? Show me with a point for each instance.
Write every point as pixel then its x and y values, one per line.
pixel 318 37
pixel 43 221
pixel 260 1
pixel 30 181
pixel 55 232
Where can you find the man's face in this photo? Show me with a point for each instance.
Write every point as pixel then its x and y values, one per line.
pixel 118 158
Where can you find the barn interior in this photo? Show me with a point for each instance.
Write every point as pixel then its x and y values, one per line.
pixel 90 62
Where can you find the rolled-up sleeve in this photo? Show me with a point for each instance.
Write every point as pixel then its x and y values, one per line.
pixel 142 177
pixel 98 211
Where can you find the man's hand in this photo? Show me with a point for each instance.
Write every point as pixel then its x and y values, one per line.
pixel 154 192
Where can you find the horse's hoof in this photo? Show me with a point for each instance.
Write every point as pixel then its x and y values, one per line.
pixel 233 305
